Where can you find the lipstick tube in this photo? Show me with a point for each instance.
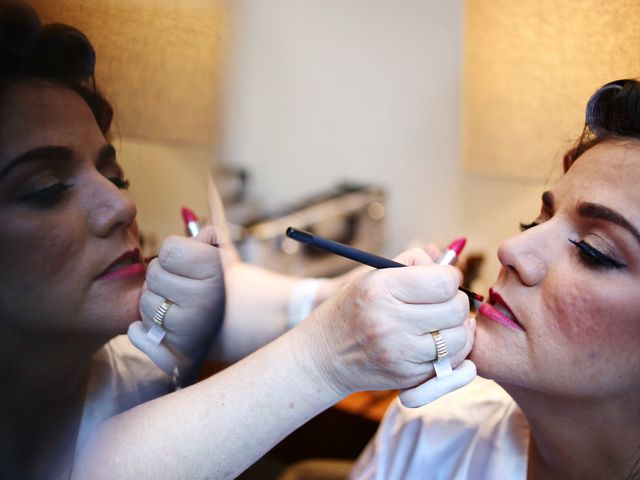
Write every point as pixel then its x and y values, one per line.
pixel 191 222
pixel 451 255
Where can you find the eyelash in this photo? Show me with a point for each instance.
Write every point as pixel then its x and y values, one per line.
pixel 53 193
pixel 594 257
pixel 121 183
pixel 48 195
pixel 588 255
pixel 526 226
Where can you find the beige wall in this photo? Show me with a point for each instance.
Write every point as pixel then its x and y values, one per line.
pixel 365 90
pixel 529 67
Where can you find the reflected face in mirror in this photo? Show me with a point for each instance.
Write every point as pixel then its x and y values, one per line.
pixel 69 244
pixel 571 281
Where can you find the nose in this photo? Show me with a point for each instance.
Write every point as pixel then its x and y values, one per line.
pixel 108 208
pixel 527 253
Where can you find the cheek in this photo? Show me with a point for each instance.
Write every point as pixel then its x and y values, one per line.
pixel 595 322
pixel 40 255
pixel 50 250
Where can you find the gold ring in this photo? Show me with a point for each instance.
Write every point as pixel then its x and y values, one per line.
pixel 161 312
pixel 441 348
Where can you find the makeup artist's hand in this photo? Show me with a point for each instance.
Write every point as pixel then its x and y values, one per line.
pixel 375 334
pixel 332 286
pixel 188 271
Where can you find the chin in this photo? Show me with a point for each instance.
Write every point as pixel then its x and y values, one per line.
pixel 113 313
pixel 493 358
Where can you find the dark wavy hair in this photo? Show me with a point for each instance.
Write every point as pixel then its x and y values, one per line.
pixel 56 54
pixel 613 111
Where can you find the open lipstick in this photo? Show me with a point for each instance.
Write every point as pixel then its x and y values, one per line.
pixel 191 221
pixel 126 265
pixel 453 251
pixel 498 311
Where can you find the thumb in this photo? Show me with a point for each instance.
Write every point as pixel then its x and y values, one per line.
pixel 210 234
pixel 415 256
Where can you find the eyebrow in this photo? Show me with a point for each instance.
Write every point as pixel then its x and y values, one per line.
pixel 52 153
pixel 600 212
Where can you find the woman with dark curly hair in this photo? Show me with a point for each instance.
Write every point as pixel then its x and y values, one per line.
pixel 560 334
pixel 78 400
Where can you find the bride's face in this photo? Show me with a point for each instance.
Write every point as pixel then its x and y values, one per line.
pixel 69 244
pixel 572 284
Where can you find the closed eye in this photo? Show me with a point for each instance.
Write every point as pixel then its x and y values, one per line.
pixel 593 257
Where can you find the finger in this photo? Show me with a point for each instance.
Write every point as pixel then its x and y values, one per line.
pixel 189 258
pixel 414 256
pixel 434 388
pixel 181 290
pixel 419 284
pixel 458 358
pixel 454 338
pixel 425 318
pixel 209 234
pixel 470 327
pixel 149 304
pixel 158 353
pixel 433 251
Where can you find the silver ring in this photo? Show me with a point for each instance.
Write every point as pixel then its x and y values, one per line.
pixel 441 348
pixel 161 312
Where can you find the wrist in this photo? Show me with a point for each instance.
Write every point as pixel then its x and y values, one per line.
pixel 314 357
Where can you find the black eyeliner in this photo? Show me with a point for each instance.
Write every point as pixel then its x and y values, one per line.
pixel 49 193
pixel 595 257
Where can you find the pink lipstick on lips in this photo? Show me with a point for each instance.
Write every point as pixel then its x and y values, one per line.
pixel 126 265
pixel 498 311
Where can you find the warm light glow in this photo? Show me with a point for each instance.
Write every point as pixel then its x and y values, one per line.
pixel 529 69
pixel 159 62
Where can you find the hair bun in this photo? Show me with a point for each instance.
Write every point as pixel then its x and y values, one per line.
pixel 614 109
pixel 50 51
pixel 63 51
pixel 19 27
pixel 19 30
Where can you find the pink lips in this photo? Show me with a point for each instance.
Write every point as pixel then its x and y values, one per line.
pixel 126 265
pixel 493 311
